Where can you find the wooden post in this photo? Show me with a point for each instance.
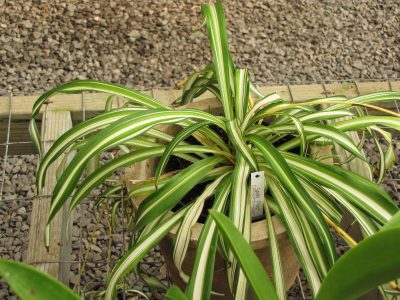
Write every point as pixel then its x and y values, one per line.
pixel 49 259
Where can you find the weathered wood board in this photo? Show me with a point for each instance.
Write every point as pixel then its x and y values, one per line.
pixel 49 259
pixel 92 102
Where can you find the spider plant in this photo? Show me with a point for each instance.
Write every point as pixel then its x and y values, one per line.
pixel 307 195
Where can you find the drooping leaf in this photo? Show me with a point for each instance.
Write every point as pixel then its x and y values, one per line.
pixel 201 279
pixel 184 233
pixel 279 279
pixel 117 133
pixel 172 192
pixel 139 250
pixel 295 232
pixel 373 262
pixel 175 293
pixel 30 284
pixel 369 98
pixel 359 191
pixel 102 173
pixel 249 262
pixel 73 135
pixel 238 206
pixel 182 135
pixel 86 85
pixel 290 182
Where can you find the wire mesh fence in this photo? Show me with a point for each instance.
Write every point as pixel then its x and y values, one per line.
pixel 91 234
pixel 94 250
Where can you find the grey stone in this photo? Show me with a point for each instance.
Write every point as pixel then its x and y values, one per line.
pixel 22 211
pixel 27 24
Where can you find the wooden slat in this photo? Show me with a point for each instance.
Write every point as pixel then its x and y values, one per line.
pixel 395 85
pixel 94 102
pixel 47 259
pixel 22 105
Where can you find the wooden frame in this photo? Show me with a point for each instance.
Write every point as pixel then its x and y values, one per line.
pixel 88 104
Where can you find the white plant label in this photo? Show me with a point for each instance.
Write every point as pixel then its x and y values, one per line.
pixel 257 193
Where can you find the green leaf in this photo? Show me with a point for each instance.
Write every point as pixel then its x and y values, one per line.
pixel 287 105
pixel 35 136
pixel 265 101
pixel 295 232
pixel 314 243
pixel 325 115
pixel 99 86
pixel 326 203
pixel 241 93
pixel 394 222
pixel 184 233
pixel 373 262
pixel 301 134
pixel 102 173
pixel 345 125
pixel 241 287
pixel 182 135
pixel 115 134
pixel 236 138
pixel 144 189
pixel 201 279
pixel 366 121
pixel 255 90
pixel 359 191
pixel 381 163
pixel 172 192
pixel 237 208
pixel 217 34
pixel 109 103
pixel 73 135
pixel 290 182
pixel 139 250
pixel 317 131
pixel 248 261
pixel 369 98
pixel 86 85
pixel 30 284
pixel 367 223
pixel 175 293
pixel 201 85
pixel 279 278
pixel 389 153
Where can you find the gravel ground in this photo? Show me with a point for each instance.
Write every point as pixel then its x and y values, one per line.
pixel 90 234
pixel 95 235
pixel 148 44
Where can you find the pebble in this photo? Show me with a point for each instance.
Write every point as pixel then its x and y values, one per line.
pixel 46 43
pixel 21 211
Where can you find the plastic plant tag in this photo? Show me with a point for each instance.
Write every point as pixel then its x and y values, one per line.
pixel 257 193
